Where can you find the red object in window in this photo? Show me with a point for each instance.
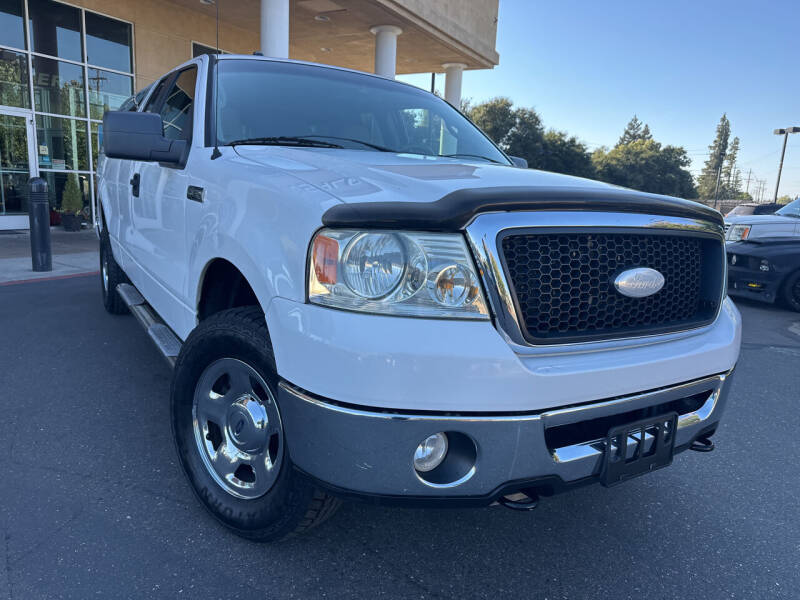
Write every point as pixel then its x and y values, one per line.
pixel 326 257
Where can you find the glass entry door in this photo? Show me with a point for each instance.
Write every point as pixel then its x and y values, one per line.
pixel 17 165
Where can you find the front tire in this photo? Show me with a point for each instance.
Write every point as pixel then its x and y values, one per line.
pixel 229 435
pixel 111 275
pixel 791 291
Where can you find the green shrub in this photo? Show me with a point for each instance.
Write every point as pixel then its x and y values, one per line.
pixel 71 198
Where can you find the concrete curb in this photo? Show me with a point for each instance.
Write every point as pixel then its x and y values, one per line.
pixel 18 269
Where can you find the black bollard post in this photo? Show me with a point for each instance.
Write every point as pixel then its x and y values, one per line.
pixel 39 216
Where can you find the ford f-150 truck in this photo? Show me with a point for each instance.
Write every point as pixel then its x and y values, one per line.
pixel 362 296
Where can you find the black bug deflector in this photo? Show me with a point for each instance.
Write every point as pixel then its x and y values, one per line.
pixel 454 211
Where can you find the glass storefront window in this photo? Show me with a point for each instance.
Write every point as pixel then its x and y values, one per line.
pixel 14 79
pixel 13 143
pixel 56 182
pixel 108 43
pixel 58 87
pixel 55 29
pixel 14 170
pixel 107 91
pixel 80 64
pixel 95 142
pixel 12 26
pixel 62 143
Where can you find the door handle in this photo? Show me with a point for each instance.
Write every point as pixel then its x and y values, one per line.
pixel 135 184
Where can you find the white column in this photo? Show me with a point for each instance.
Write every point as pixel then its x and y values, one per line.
pixel 386 49
pixel 275 28
pixel 452 82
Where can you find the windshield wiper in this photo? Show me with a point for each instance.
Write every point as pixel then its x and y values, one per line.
pixel 282 141
pixel 460 155
pixel 346 139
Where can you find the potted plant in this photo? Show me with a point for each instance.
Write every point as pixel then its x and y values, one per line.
pixel 71 205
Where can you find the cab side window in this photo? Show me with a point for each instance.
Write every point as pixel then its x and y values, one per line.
pixel 179 106
pixel 152 101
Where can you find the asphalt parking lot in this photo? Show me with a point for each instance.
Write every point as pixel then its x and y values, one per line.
pixel 93 502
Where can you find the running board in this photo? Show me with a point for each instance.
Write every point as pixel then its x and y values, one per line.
pixel 165 340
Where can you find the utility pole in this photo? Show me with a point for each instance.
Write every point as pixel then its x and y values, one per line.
pixel 785 133
pixel 747 186
pixel 716 189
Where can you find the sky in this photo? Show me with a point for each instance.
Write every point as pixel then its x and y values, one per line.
pixel 587 67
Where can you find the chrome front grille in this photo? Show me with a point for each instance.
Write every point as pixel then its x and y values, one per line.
pixel 549 275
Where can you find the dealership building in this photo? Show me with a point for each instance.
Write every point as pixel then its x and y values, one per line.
pixel 62 64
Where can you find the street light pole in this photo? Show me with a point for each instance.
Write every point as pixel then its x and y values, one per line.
pixel 785 133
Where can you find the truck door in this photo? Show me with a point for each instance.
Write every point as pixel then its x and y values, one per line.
pixel 158 204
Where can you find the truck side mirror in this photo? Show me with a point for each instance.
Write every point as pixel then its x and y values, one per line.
pixel 140 136
pixel 519 162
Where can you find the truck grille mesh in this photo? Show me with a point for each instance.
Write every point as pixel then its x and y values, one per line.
pixel 563 284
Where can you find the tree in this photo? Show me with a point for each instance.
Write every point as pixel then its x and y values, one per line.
pixel 731 184
pixel 518 131
pixel 495 117
pixel 635 130
pixel 526 138
pixel 647 166
pixel 707 182
pixel 565 154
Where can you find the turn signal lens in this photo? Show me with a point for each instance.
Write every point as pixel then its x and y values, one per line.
pixel 738 233
pixel 455 286
pixel 325 259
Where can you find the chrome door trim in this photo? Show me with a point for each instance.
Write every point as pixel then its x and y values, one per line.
pixel 482 235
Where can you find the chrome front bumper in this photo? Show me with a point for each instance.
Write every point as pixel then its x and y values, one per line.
pixel 370 453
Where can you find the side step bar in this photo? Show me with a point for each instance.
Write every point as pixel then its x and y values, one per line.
pixel 167 342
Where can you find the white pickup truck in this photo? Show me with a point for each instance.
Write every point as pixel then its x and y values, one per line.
pixel 362 296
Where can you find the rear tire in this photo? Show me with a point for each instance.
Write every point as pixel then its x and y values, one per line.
pixel 229 435
pixel 791 291
pixel 111 275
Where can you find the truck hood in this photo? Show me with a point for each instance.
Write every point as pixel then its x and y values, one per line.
pixel 759 219
pixel 365 176
pixel 385 189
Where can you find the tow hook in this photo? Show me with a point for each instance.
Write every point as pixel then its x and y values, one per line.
pixel 524 500
pixel 702 444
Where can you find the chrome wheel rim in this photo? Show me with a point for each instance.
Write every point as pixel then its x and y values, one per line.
pixel 104 271
pixel 237 428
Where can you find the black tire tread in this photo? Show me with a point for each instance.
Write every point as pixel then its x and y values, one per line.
pixel 786 291
pixel 248 322
pixel 322 508
pixel 111 299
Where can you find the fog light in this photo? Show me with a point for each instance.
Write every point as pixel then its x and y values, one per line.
pixel 430 453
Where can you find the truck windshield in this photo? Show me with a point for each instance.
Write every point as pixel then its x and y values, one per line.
pixel 790 210
pixel 274 103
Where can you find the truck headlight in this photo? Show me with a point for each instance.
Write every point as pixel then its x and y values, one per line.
pixel 738 232
pixel 395 272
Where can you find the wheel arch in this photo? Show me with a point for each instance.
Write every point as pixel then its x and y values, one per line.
pixel 783 291
pixel 221 286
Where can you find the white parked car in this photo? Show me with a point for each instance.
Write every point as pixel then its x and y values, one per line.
pixel 784 223
pixel 363 297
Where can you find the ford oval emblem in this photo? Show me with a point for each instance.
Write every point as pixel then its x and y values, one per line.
pixel 639 282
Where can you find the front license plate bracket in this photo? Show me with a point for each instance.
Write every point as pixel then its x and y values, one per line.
pixel 637 448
